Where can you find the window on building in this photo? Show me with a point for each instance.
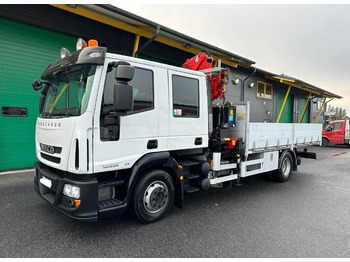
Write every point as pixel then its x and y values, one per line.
pixel 185 97
pixel 264 90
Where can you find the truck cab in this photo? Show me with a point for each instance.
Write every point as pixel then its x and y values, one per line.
pixel 104 120
pixel 336 132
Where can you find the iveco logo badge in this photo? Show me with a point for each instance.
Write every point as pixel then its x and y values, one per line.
pixel 47 148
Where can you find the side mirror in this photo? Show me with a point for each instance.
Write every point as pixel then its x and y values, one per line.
pixel 124 73
pixel 123 95
pixel 37 85
pixel 122 98
pixel 111 120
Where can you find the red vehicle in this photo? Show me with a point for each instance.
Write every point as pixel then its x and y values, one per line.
pixel 337 132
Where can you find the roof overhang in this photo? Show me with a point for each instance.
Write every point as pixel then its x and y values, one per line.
pixel 121 19
pixel 304 86
pixel 296 83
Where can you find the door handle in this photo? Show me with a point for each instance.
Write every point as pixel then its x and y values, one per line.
pixel 198 141
pixel 152 144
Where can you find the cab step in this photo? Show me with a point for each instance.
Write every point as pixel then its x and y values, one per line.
pixel 191 176
pixel 188 163
pixel 191 189
pixel 106 204
pixel 111 208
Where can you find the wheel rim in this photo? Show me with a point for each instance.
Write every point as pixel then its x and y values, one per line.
pixel 156 197
pixel 286 166
pixel 324 142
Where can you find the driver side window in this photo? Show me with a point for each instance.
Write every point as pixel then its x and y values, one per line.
pixel 337 126
pixel 143 99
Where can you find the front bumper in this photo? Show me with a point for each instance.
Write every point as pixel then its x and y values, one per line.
pixel 52 193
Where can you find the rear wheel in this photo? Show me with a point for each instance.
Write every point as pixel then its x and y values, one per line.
pixel 153 196
pixel 285 167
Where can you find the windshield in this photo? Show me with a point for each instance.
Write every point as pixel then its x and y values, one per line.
pixel 69 92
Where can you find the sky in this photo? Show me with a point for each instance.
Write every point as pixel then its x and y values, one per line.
pixel 310 42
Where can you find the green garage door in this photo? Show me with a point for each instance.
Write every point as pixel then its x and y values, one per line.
pixel 25 52
pixel 287 115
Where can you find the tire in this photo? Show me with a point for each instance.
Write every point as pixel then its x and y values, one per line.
pixel 325 142
pixel 285 167
pixel 153 196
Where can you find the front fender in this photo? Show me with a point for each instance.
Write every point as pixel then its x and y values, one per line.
pixel 146 162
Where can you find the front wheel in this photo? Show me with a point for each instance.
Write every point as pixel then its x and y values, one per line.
pixel 285 167
pixel 153 196
pixel 325 142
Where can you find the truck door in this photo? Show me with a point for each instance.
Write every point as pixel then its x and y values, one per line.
pixel 188 111
pixel 120 141
pixel 335 133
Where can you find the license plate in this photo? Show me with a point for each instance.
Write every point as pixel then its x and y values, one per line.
pixel 46 182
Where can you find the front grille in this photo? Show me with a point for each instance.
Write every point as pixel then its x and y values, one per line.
pixel 54 159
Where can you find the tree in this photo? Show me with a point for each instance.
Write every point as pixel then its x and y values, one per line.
pixel 344 116
pixel 340 113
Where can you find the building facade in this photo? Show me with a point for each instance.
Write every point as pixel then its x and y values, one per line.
pixel 31 37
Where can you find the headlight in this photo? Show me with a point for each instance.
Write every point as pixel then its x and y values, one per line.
pixel 71 191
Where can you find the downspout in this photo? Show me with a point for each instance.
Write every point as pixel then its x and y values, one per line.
pixel 148 42
pixel 245 79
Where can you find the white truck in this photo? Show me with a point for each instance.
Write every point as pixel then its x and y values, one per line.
pixel 117 132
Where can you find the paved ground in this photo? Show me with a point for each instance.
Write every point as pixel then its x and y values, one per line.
pixel 305 217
